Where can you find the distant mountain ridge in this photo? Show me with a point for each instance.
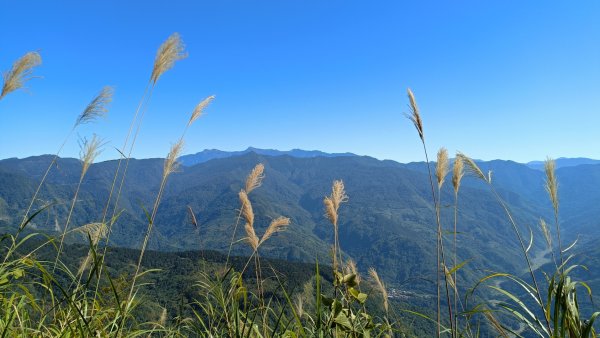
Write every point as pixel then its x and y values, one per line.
pixel 563 162
pixel 211 154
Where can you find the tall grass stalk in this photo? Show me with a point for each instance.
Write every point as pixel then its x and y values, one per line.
pixel 89 151
pixel 332 204
pixel 472 168
pixel 168 53
pixel 98 107
pixel 415 117
pixel 170 166
pixel 551 186
pixel 253 181
pixel 457 175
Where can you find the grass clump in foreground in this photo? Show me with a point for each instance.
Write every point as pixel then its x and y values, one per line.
pixel 43 292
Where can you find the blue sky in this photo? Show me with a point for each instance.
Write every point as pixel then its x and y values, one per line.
pixel 515 80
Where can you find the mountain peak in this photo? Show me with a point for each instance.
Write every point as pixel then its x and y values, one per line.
pixel 210 154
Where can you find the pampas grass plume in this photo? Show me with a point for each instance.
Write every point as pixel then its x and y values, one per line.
pixel 255 178
pixel 168 53
pixel 415 116
pixel 171 163
pixel 441 169
pixel 90 149
pixel 277 225
pixel 97 107
pixel 457 173
pixel 20 73
pixel 200 108
pixel 380 286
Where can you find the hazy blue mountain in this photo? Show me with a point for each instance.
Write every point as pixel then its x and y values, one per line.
pixel 387 223
pixel 210 154
pixel 563 162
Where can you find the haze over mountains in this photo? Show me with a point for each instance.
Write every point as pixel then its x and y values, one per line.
pixel 387 222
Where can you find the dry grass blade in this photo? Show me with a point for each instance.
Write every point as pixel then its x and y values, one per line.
pixel 171 163
pixel 457 173
pixel 20 73
pixel 251 236
pixel 277 225
pixel 551 182
pixel 441 168
pixel 471 167
pixel 192 216
pixel 169 52
pixel 90 149
pixel 247 211
pixel 495 323
pixel 200 108
pixel 97 107
pixel 255 178
pixel 415 116
pixel 381 286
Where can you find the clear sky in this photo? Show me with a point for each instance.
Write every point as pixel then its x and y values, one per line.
pixel 515 80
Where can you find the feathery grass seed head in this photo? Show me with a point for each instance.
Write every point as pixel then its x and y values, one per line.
pixel 247 211
pixel 546 232
pixel 251 236
pixel 441 168
pixel 96 231
pixel 380 286
pixel 471 167
pixel 20 73
pixel 415 116
pixel 330 211
pixel 98 107
pixel 89 150
pixel 200 108
pixel 171 163
pixel 168 53
pixel 457 173
pixel 551 182
pixel 277 225
pixel 255 178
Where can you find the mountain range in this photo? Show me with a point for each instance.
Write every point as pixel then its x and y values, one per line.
pixel 388 221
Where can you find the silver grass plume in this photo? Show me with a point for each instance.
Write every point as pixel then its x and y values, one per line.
pixel 168 53
pixel 414 115
pixel 200 108
pixel 90 149
pixel 98 107
pixel 20 73
pixel 441 168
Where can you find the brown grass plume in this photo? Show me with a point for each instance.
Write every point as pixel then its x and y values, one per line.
pixel 255 178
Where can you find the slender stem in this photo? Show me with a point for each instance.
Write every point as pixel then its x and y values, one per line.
pixel 62 237
pixel 558 235
pixel 455 260
pixel 142 103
